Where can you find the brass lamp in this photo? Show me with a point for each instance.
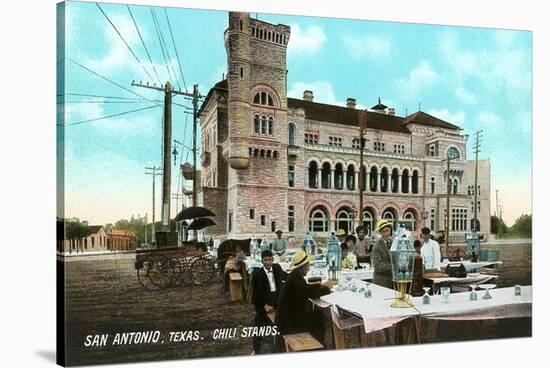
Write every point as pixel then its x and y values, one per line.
pixel 402 255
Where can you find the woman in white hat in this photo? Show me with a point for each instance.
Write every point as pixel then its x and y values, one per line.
pixel 380 256
pixel 292 315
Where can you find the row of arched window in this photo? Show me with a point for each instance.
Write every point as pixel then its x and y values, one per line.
pixel 263 124
pixel 375 180
pixel 319 220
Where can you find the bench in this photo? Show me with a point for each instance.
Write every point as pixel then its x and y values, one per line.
pixel 301 342
pixel 235 286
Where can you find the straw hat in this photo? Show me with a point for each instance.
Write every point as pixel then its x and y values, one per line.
pixel 382 224
pixel 300 258
pixel 341 232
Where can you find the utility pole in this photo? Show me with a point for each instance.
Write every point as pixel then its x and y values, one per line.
pixel 154 174
pixel 145 228
pixel 195 116
pixel 362 125
pixel 167 139
pixel 497 216
pixel 476 150
pixel 448 209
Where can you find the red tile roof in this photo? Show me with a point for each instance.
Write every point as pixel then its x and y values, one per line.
pixel 427 119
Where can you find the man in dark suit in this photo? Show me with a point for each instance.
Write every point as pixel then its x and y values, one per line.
pixel 267 282
pixel 293 314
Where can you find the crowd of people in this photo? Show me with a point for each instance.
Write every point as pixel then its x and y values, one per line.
pixel 287 294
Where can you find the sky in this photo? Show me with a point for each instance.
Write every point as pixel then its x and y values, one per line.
pixel 476 78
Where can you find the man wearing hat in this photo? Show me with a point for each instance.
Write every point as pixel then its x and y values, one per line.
pixel 341 235
pixel 380 256
pixel 292 315
pixel 267 282
pixel 279 245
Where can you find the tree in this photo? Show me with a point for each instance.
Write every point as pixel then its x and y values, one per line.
pixel 76 230
pixel 495 222
pixel 523 226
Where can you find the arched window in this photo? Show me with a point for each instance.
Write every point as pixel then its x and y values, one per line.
pixel 270 125
pixel 391 215
pixel 415 182
pixel 350 177
pixel 264 124
pixel 453 152
pixel 394 180
pixel 455 186
pixel 409 220
pixel 432 185
pixel 318 220
pixel 405 181
pixel 263 98
pixel 344 220
pixel 384 180
pixel 373 178
pixel 339 177
pixel 291 134
pixel 325 176
pixel 257 124
pixel 312 174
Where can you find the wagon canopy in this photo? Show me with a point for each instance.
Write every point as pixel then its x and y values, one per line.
pixel 194 212
pixel 201 223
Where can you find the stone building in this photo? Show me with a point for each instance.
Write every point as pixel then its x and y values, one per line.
pixel 95 242
pixel 269 161
pixel 119 239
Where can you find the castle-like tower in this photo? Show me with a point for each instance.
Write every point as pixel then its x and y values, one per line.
pixel 257 115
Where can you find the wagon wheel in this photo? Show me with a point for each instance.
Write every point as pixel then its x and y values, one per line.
pixel 202 270
pixel 182 269
pixel 160 271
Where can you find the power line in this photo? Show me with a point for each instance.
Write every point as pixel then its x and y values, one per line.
pixel 99 96
pixel 111 116
pixel 160 42
pixel 101 102
pixel 110 81
pixel 143 43
pixel 167 52
pixel 123 40
pixel 175 49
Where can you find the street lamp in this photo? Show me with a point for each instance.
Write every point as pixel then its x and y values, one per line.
pixel 402 255
pixel 334 257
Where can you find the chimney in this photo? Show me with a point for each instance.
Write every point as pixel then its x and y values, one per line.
pixel 350 103
pixel 308 95
pixel 391 111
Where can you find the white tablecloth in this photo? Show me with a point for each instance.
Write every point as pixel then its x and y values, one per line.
pixel 470 279
pixel 378 314
pixel 469 265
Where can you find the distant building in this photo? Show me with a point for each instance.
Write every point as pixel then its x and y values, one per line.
pixel 269 161
pixel 119 239
pixel 95 242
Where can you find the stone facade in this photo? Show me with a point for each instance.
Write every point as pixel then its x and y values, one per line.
pixel 269 161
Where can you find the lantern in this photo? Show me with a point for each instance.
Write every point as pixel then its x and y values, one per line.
pixel 472 247
pixel 265 244
pixel 309 245
pixel 334 257
pixel 402 263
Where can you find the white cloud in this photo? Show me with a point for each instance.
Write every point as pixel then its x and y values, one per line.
pixel 456 118
pixel 465 96
pixel 305 41
pixel 421 77
pixel 323 92
pixel 505 65
pixel 364 47
pixel 490 119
